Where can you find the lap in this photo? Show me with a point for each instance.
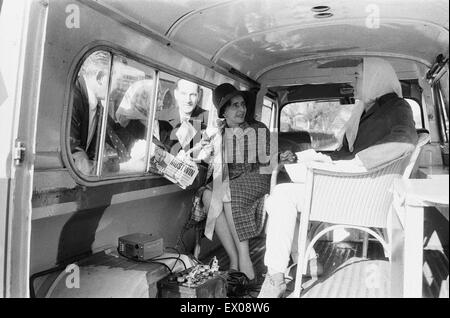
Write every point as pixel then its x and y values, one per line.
pixel 286 195
pixel 289 189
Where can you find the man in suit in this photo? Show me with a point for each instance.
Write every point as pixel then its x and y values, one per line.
pixel 189 115
pixel 89 91
pixel 380 129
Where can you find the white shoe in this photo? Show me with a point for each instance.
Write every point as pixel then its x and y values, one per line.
pixel 274 286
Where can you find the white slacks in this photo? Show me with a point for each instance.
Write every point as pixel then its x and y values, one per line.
pixel 283 207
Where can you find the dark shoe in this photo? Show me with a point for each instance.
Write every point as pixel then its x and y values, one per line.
pixel 237 283
pixel 256 283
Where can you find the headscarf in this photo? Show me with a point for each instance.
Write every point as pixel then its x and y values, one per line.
pixel 378 79
pixel 136 103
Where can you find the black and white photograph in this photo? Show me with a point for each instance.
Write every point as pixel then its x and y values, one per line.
pixel 224 156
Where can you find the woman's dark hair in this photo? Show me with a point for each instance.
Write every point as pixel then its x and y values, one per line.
pixel 227 104
pixel 223 109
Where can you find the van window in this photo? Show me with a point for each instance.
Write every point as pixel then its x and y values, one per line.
pixel 443 86
pixel 267 111
pixel 181 100
pixel 443 83
pixel 115 111
pixel 130 100
pixel 323 120
pixel 417 112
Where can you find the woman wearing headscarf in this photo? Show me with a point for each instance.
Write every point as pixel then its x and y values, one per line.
pixel 132 114
pixel 380 129
pixel 233 201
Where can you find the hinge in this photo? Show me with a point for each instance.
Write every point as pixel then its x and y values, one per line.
pixel 19 152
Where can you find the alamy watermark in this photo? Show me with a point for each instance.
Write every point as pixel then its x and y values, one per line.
pixel 73 16
pixel 239 145
pixel 373 17
pixel 73 277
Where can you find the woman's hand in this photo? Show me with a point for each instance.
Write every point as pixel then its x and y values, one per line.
pixel 288 157
pixel 138 150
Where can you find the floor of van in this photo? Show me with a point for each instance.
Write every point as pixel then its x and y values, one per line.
pixel 348 275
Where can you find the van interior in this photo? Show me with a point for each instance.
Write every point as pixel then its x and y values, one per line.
pixel 300 62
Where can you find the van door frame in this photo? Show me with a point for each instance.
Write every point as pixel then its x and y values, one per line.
pixel 29 47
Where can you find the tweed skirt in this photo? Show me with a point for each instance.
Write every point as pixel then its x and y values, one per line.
pixel 248 192
pixel 247 203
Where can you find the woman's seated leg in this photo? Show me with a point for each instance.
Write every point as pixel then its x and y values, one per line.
pixel 226 238
pixel 245 263
pixel 223 232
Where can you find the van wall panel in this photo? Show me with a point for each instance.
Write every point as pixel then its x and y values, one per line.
pixel 60 238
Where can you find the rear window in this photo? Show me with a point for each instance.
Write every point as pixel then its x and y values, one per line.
pixel 323 120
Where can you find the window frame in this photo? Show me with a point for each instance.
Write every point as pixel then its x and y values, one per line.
pixel 80 59
pixel 272 108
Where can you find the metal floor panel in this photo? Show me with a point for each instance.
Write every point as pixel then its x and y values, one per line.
pixel 347 275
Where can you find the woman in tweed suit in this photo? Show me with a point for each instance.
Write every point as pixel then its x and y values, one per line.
pixel 233 202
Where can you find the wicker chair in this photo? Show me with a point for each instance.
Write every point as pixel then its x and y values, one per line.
pixel 350 200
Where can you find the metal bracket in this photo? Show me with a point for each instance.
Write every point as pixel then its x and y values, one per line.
pixel 19 152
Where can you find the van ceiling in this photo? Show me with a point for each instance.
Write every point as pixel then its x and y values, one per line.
pixel 232 33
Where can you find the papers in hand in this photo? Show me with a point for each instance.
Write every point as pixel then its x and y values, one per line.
pixel 297 171
pixel 310 158
pixel 311 155
pixel 179 170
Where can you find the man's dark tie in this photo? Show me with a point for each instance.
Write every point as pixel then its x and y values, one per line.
pixel 112 137
pixel 117 144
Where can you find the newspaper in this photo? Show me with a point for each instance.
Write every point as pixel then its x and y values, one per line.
pixel 180 170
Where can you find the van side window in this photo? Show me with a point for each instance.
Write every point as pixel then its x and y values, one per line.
pixel 182 112
pixel 267 111
pixel 116 100
pixel 89 98
pixel 130 100
pixel 443 90
pixel 443 83
pixel 323 120
pixel 417 112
